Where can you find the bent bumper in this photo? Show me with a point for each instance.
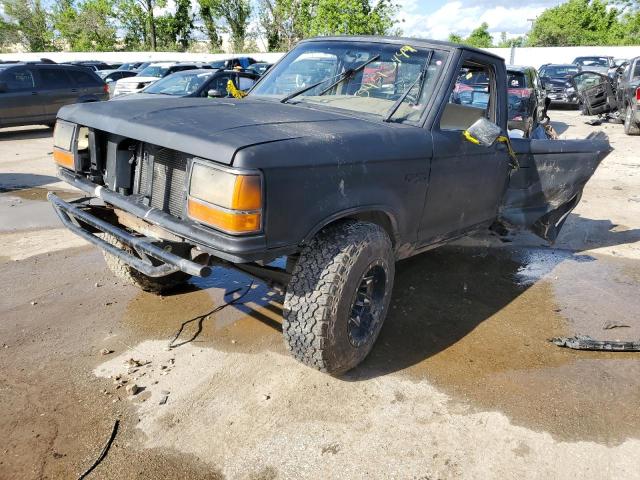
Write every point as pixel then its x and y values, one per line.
pixel 234 249
pixel 85 225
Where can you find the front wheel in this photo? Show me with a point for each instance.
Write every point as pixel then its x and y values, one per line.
pixel 131 276
pixel 338 296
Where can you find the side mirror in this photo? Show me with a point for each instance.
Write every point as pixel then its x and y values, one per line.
pixel 544 81
pixel 3 87
pixel 214 94
pixel 483 132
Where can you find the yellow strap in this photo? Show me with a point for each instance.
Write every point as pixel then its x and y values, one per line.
pixel 502 139
pixel 233 91
pixel 470 138
pixel 512 154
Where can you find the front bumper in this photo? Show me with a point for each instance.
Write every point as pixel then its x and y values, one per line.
pixel 86 225
pixel 234 249
pixel 564 98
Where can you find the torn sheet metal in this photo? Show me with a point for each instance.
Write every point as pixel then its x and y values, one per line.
pixel 584 342
pixel 549 182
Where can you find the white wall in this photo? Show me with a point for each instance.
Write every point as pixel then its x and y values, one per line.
pixel 522 56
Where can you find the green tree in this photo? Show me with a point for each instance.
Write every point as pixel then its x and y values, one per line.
pixel 235 15
pixel 352 17
pixel 285 22
pixel 173 30
pixel 510 42
pixel 577 22
pixel 89 26
pixel 480 37
pixel 210 25
pixel 132 22
pixel 28 23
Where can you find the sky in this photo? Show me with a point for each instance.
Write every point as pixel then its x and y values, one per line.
pixel 436 19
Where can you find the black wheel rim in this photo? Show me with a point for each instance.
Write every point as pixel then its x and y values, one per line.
pixel 367 305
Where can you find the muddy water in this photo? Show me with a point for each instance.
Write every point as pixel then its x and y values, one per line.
pixel 39 194
pixel 198 313
pixel 475 322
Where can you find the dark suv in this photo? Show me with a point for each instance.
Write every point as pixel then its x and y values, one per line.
pixel 527 98
pixel 32 94
pixel 556 79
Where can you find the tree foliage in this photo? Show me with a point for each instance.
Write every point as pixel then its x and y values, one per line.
pixel 284 22
pixel 577 22
pixel 480 37
pixel 27 22
pixel 235 15
pixel 88 26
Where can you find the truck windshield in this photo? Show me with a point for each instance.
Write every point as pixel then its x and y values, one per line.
pixel 154 71
pixel 180 84
pixel 372 90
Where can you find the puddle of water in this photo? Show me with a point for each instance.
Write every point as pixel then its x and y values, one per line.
pixel 39 194
pixel 251 324
pixel 463 320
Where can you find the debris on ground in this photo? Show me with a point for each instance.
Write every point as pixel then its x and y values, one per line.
pixel 132 389
pixel 584 342
pixel 612 325
pixel 103 452
pixel 105 351
pixel 164 396
pixel 594 122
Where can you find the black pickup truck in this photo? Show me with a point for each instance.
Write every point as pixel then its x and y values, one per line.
pixel 349 154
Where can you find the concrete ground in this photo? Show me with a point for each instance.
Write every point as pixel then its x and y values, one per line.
pixel 462 382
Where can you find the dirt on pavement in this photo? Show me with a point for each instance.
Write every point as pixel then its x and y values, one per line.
pixel 462 383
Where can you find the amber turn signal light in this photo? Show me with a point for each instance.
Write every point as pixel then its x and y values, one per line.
pixel 227 221
pixel 247 193
pixel 63 158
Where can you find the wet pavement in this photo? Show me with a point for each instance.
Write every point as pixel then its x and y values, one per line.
pixel 462 383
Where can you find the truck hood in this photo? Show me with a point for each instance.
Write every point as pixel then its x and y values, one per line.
pixel 214 129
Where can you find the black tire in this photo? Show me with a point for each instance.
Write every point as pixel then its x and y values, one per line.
pixel 630 127
pixel 326 325
pixel 131 276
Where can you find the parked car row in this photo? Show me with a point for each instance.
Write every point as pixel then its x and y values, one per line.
pixel 31 93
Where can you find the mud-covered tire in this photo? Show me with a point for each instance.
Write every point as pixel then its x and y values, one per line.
pixel 131 276
pixel 630 127
pixel 321 296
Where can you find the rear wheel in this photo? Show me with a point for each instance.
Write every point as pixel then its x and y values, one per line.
pixel 131 276
pixel 338 296
pixel 630 127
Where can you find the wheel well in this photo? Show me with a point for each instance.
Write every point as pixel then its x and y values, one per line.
pixel 378 217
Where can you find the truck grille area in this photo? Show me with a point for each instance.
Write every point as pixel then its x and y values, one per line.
pixel 162 179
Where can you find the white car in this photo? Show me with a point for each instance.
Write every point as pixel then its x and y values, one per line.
pixel 151 74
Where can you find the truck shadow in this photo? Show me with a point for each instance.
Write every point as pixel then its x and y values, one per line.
pixel 20 181
pixel 581 233
pixel 439 297
pixel 25 133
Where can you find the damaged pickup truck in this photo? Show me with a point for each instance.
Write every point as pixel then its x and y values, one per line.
pixel 350 154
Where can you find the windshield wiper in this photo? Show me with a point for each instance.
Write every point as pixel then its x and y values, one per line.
pixel 403 97
pixel 349 74
pixel 343 75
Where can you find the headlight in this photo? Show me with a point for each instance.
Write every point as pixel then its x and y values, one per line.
pixel 62 143
pixel 63 134
pixel 231 202
pixel 569 89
